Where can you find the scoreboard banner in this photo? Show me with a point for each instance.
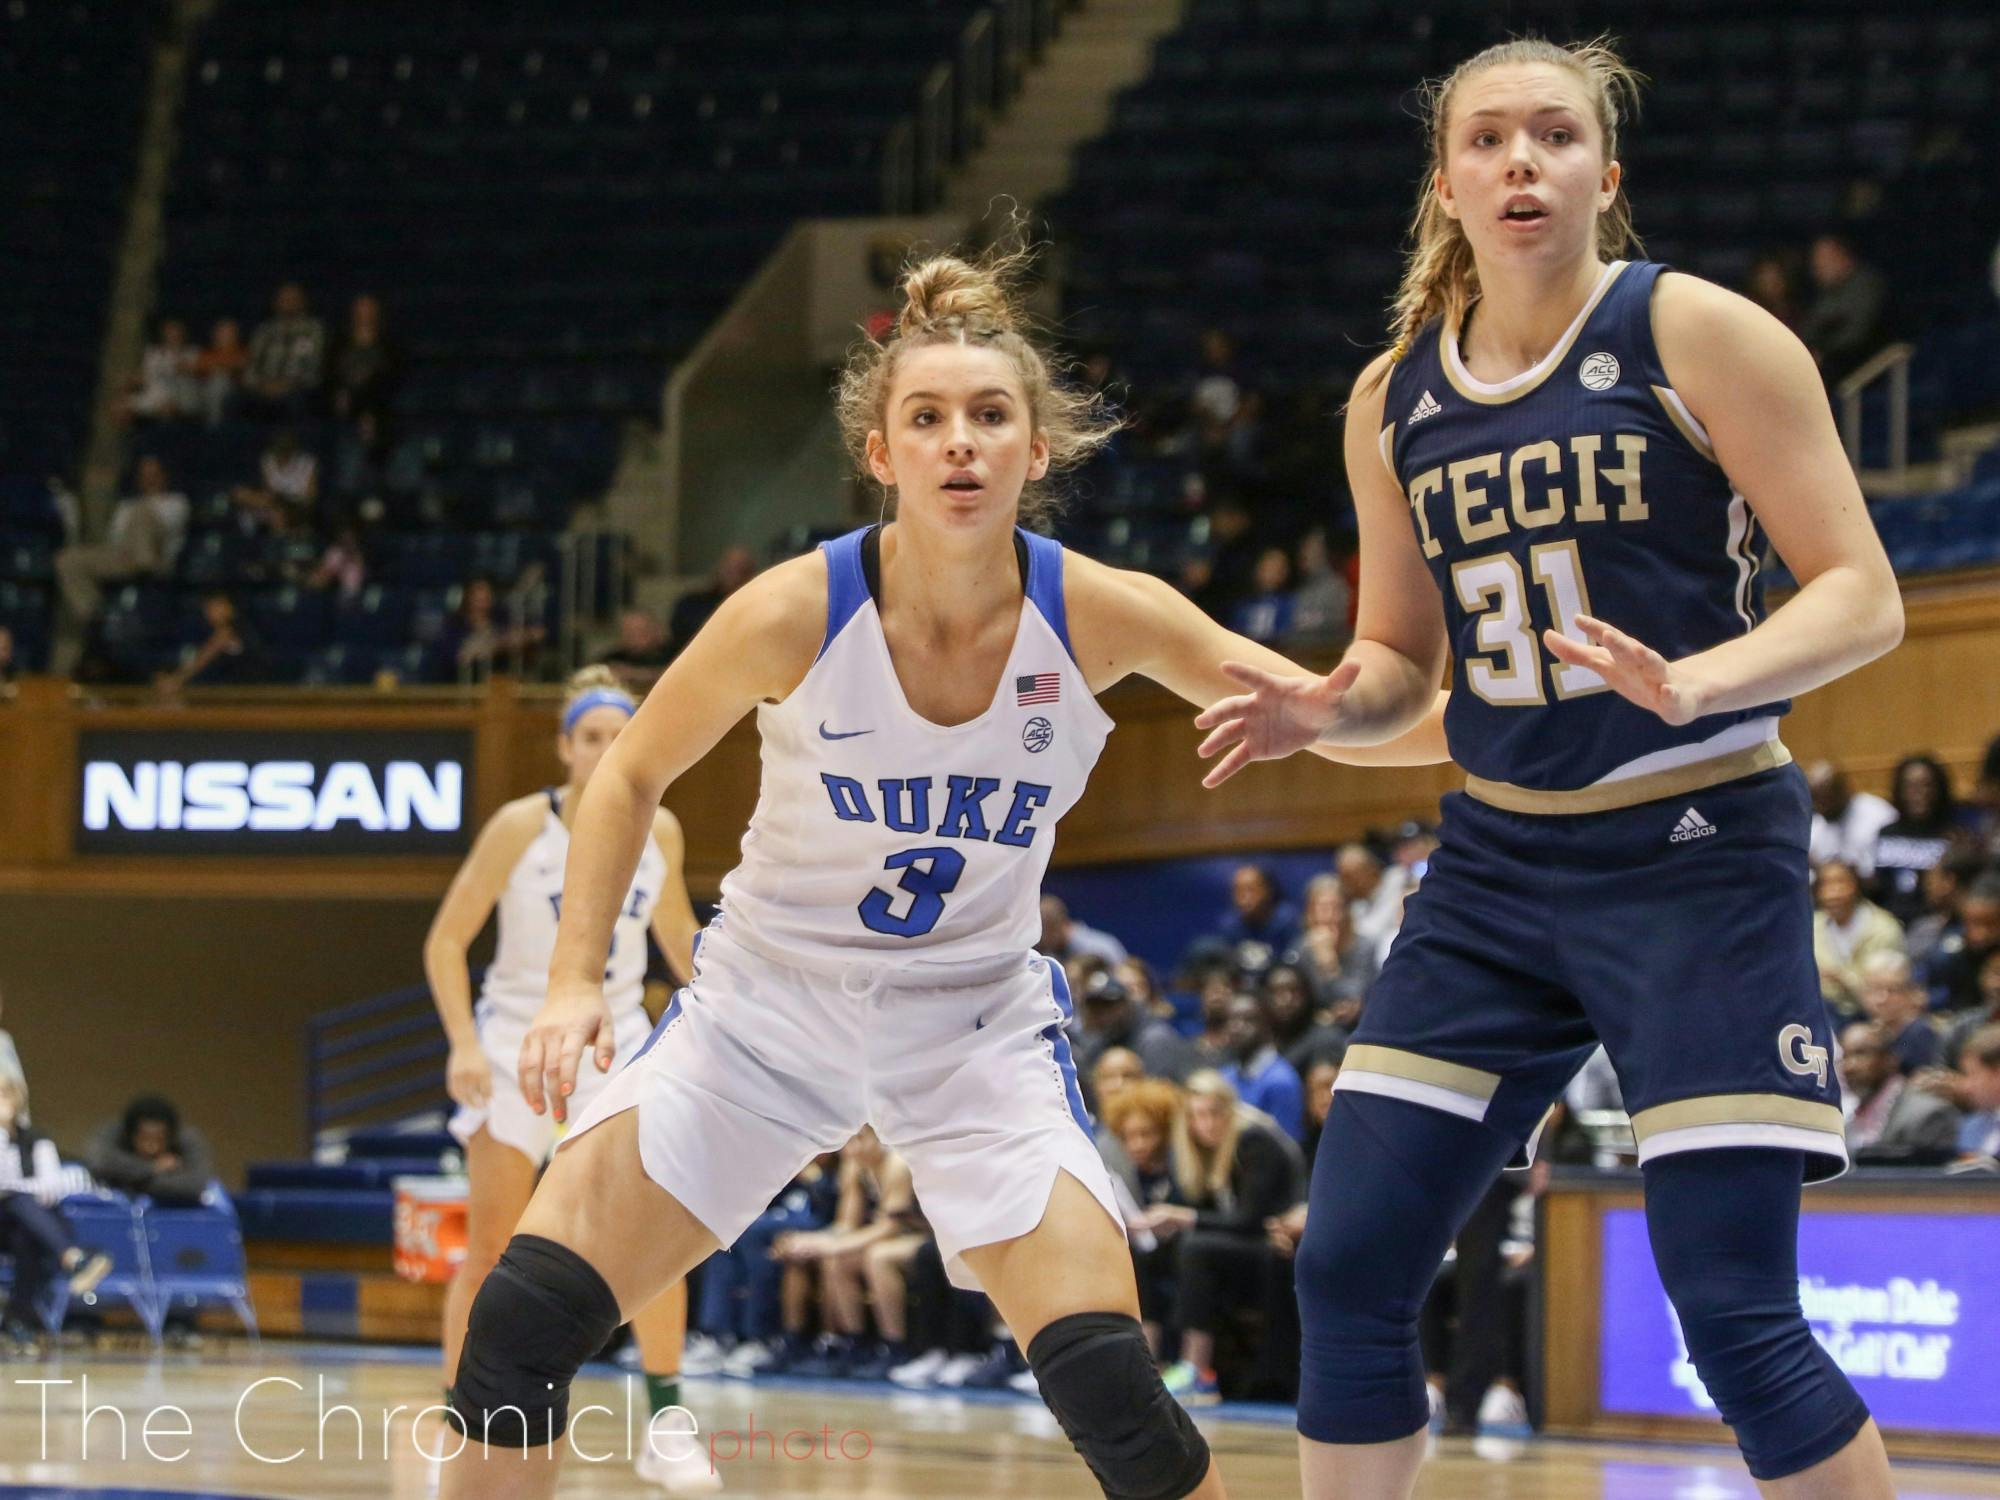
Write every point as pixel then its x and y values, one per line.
pixel 307 792
pixel 1908 1305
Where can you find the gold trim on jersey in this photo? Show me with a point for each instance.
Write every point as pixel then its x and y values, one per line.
pixel 1608 796
pixel 1680 416
pixel 1737 1109
pixel 1449 358
pixel 1454 1078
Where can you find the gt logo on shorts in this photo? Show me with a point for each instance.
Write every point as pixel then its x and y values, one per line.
pixel 1799 1054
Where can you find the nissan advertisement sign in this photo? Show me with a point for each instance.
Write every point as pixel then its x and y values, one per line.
pixel 249 792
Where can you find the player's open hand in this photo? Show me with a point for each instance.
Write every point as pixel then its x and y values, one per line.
pixel 1633 670
pixel 468 1076
pixel 1279 716
pixel 571 1022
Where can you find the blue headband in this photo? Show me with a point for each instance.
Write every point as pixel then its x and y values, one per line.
pixel 599 698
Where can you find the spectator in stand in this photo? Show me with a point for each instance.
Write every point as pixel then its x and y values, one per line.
pixel 1322 604
pixel 1985 809
pixel 1374 895
pixel 1215 992
pixel 475 640
pixel 1953 972
pixel 642 652
pixel 738 1318
pixel 1107 1017
pixel 1320 1079
pixel 1894 1001
pixel 734 568
pixel 1988 1013
pixel 366 366
pixel 1337 968
pixel 1137 1141
pixel 1260 1077
pixel 143 540
pixel 1773 284
pixel 1979 1132
pixel 1117 1069
pixel 1236 1171
pixel 287 491
pixel 1266 615
pixel 1887 1120
pixel 1848 319
pixel 1300 1030
pixel 32 1231
pixel 1845 822
pixel 287 357
pixel 1137 977
pixel 1063 937
pixel 232 655
pixel 1945 884
pixel 1261 924
pixel 876 1209
pixel 1926 819
pixel 1848 931
pixel 343 567
pixel 11 1070
pixel 148 1150
pixel 168 385
pixel 220 368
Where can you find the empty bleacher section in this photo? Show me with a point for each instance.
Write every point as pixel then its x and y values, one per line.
pixel 1259 182
pixel 72 89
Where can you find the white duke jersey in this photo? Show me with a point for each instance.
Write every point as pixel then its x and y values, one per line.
pixel 879 834
pixel 531 906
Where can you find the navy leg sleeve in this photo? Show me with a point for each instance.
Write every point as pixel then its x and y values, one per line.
pixel 1725 1230
pixel 1392 1183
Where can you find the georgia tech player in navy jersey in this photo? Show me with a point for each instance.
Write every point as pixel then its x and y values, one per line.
pixel 926 696
pixel 1560 472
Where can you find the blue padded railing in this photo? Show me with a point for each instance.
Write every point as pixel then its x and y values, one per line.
pixel 376 1060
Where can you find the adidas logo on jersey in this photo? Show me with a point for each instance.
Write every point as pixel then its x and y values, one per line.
pixel 1692 826
pixel 1427 406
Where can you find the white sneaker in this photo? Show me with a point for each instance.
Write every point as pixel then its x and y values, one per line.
pixel 678 1473
pixel 747 1358
pixel 955 1369
pixel 702 1355
pixel 921 1371
pixel 1502 1409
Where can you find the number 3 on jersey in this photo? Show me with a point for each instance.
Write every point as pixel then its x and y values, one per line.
pixel 929 875
pixel 1495 592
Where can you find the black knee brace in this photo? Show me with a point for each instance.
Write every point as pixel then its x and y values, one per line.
pixel 1097 1376
pixel 540 1314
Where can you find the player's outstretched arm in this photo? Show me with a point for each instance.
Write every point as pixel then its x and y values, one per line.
pixel 1755 390
pixel 1380 706
pixel 467 903
pixel 674 923
pixel 757 647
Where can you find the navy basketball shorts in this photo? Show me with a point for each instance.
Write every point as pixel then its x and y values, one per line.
pixel 1677 932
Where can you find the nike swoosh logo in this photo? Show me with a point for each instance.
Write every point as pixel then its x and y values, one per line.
pixel 828 734
pixel 979 1023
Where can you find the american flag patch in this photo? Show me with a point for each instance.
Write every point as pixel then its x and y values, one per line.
pixel 1043 687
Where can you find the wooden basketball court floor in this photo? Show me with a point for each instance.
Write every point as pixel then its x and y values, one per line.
pixel 239 1439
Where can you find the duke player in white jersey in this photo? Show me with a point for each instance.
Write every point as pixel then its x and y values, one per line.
pixel 516 869
pixel 926 695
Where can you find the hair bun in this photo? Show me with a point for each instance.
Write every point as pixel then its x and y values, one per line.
pixel 945 288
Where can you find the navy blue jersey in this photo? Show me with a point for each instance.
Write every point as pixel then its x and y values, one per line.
pixel 1583 485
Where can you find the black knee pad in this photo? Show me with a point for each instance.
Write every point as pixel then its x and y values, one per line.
pixel 1097 1376
pixel 541 1312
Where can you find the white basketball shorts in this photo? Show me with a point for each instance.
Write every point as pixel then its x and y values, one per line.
pixel 757 1067
pixel 506 1116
